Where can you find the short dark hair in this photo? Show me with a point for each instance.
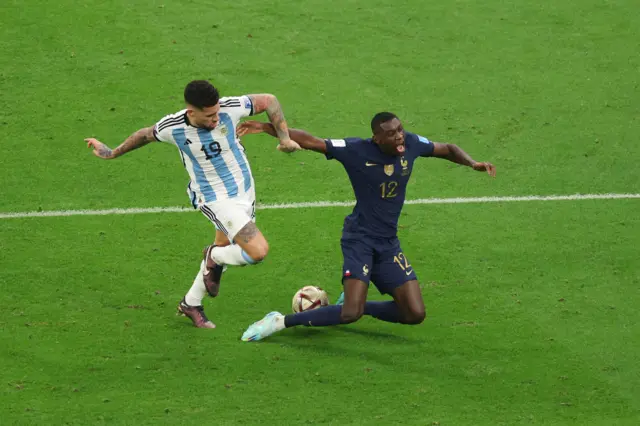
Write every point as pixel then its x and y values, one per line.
pixel 201 94
pixel 379 118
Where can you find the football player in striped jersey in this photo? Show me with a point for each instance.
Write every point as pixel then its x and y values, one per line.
pixel 221 184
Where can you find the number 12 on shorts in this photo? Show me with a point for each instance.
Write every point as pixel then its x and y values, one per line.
pixel 403 263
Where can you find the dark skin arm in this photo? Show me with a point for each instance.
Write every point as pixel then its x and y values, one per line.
pixel 455 154
pixel 445 151
pixel 304 139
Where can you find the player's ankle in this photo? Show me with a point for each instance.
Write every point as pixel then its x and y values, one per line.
pixel 280 323
pixel 232 255
pixel 192 301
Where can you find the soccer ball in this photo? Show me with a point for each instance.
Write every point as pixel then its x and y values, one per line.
pixel 309 297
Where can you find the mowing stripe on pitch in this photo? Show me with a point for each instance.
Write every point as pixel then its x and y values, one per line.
pixel 317 204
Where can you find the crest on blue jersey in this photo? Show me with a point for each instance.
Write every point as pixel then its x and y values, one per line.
pixel 388 169
pixel 405 166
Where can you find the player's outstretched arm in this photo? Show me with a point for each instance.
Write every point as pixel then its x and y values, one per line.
pixel 136 140
pixel 269 103
pixel 455 154
pixel 302 138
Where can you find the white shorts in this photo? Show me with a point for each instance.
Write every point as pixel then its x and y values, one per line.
pixel 231 214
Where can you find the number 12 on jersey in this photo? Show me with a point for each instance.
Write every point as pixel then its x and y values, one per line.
pixel 403 263
pixel 388 189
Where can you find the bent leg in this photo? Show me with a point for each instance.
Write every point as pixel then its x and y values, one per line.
pixel 234 220
pixel 198 289
pixel 221 239
pixel 250 248
pixel 408 297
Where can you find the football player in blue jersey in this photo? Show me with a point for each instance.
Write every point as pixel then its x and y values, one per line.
pixel 379 169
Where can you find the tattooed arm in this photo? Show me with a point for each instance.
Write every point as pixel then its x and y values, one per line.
pixel 269 103
pixel 135 141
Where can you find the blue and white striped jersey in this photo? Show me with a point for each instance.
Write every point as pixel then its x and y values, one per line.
pixel 214 159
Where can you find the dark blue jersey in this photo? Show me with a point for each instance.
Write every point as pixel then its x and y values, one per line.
pixel 379 181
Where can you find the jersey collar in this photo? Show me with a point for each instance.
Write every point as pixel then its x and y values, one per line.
pixel 186 120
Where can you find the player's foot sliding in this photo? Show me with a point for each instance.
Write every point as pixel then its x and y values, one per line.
pixel 271 323
pixel 196 313
pixel 275 321
pixel 321 317
pixel 212 272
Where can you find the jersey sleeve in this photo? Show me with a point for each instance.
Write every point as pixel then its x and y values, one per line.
pixel 162 129
pixel 425 147
pixel 340 149
pixel 236 107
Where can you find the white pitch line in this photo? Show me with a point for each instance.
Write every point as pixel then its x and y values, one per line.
pixel 316 204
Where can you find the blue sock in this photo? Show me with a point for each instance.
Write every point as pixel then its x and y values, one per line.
pixel 384 311
pixel 321 317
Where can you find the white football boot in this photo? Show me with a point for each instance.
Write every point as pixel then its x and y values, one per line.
pixel 271 323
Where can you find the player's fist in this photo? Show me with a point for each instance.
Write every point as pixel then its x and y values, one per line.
pixel 99 149
pixel 287 145
pixel 250 127
pixel 485 167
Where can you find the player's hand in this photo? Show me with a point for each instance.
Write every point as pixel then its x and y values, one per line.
pixel 485 167
pixel 99 149
pixel 249 128
pixel 287 145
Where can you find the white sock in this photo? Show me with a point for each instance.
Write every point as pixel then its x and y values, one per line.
pixel 280 323
pixel 197 291
pixel 231 255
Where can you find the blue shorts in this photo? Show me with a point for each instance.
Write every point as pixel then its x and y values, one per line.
pixel 379 260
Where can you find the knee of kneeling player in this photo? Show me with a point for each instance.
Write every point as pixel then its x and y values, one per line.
pixel 415 316
pixel 347 317
pixel 259 254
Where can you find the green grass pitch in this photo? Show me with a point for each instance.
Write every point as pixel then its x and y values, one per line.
pixel 532 307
